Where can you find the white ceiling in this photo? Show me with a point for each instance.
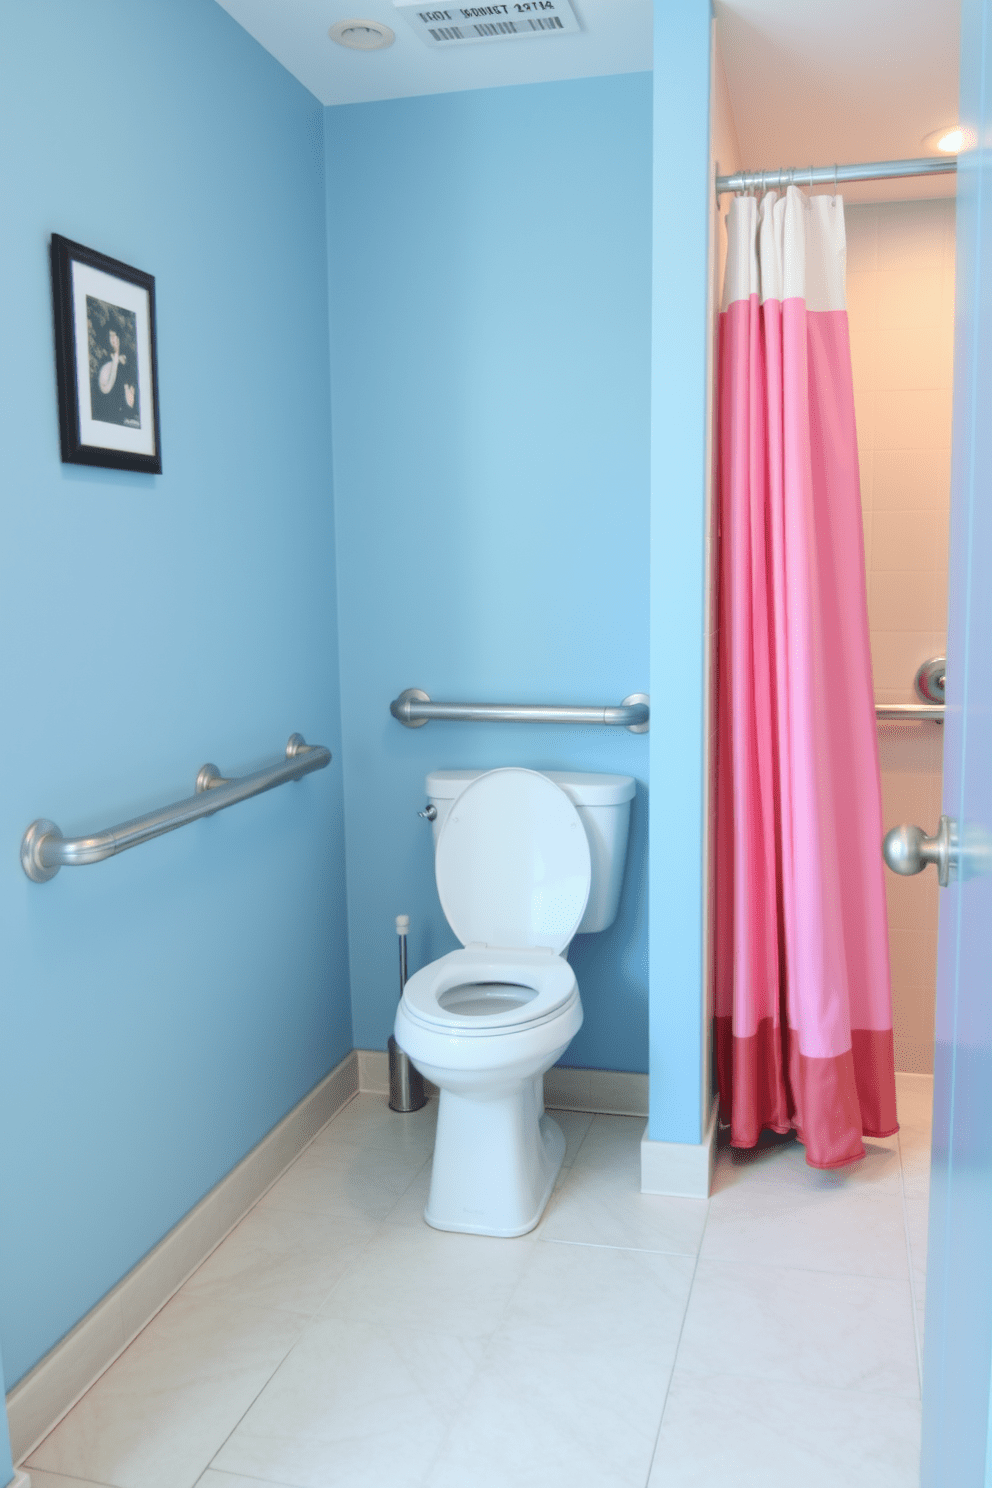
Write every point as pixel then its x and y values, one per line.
pixel 615 37
pixel 825 81
pixel 810 81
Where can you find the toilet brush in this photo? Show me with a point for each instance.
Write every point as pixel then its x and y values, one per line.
pixel 406 1084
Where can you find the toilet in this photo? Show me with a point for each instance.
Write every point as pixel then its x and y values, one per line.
pixel 523 861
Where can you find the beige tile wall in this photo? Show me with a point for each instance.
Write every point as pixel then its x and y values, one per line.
pixel 901 311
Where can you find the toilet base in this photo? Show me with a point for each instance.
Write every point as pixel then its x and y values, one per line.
pixel 495 1162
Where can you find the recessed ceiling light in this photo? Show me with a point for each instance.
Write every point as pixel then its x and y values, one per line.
pixel 362 36
pixel 949 140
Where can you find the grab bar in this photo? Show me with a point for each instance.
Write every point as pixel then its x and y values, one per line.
pixel 929 687
pixel 909 712
pixel 44 850
pixel 413 708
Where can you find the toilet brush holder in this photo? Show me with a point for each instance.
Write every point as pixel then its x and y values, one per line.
pixel 406 1084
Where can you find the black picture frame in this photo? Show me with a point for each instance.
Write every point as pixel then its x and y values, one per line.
pixel 105 359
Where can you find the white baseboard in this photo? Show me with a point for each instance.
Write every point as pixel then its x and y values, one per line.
pixel 373 1073
pixel 20 1480
pixel 680 1169
pixel 39 1401
pixel 607 1092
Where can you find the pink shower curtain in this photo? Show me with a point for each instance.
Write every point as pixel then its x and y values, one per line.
pixel 802 997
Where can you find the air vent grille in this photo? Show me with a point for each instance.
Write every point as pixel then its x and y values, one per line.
pixel 460 25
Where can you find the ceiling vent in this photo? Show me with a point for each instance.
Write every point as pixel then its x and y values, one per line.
pixel 461 25
pixel 362 36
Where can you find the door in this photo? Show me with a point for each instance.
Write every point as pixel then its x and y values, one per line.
pixel 957 1367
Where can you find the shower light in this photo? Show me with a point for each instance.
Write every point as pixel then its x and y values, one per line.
pixel 949 140
pixel 362 36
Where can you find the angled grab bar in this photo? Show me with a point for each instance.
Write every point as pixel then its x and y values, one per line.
pixel 44 850
pixel 413 708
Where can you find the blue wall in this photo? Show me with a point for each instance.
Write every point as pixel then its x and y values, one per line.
pixel 489 257
pixel 6 1466
pixel 683 201
pixel 161 1011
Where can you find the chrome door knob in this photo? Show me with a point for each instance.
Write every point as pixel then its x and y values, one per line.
pixel 908 849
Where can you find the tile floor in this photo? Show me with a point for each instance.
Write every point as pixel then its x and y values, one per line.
pixel 768 1336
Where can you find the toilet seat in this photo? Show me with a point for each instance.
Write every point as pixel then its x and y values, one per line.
pixel 513 874
pixel 512 863
pixel 446 995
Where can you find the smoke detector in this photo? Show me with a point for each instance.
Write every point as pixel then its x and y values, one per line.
pixel 457 25
pixel 362 36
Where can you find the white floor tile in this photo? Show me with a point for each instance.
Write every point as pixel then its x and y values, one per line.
pixel 746 1433
pixel 424 1278
pixel 599 1201
pixel 555 1418
pixel 807 1327
pixel 282 1258
pixel 782 1163
pixel 409 1207
pixel 917 1224
pixel 336 1341
pixel 914 1147
pixel 158 1415
pixel 356 1405
pixel 589 1298
pixel 579 1366
pixel 858 1231
pixel 367 1121
pixel 346 1181
pixel 213 1479
pixel 41 1479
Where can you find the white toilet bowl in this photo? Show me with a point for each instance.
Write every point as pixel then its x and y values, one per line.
pixel 514 869
pixel 484 1024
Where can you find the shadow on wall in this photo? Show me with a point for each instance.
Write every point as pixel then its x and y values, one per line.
pixel 612 967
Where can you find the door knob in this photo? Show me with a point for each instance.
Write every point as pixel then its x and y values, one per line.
pixel 908 849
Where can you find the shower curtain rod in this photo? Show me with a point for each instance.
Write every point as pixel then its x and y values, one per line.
pixel 835 175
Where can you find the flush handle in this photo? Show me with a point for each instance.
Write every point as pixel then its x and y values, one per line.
pixel 429 813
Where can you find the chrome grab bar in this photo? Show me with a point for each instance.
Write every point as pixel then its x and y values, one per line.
pixel 909 712
pixel 44 850
pixel 929 686
pixel 413 708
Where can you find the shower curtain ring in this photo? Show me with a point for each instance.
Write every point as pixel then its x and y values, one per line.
pixel 811 180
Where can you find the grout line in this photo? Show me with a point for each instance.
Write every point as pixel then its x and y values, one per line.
pixel 307 1327
pixel 912 1280
pixel 69 1477
pixel 682 1255
pixel 678 1345
pixel 247 1478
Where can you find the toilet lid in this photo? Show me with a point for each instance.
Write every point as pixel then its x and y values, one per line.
pixel 512 862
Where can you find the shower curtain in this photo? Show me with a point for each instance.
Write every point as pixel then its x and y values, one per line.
pixel 802 995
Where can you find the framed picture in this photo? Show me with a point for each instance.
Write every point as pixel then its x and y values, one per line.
pixel 105 359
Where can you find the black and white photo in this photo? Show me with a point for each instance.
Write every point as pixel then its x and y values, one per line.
pixel 105 359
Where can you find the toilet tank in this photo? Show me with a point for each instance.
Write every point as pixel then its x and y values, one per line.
pixel 603 804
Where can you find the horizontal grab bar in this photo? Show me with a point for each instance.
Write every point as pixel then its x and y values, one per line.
pixel 414 708
pixel 44 850
pixel 909 712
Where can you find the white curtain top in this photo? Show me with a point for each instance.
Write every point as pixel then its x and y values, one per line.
pixel 788 247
